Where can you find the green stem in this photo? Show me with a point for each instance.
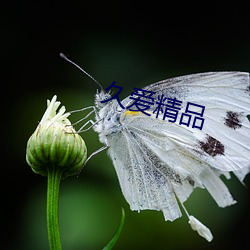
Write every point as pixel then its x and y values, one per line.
pixel 54 177
pixel 117 234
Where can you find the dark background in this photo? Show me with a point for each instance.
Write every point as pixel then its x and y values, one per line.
pixel 134 44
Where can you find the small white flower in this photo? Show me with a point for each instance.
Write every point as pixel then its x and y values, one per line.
pixel 200 228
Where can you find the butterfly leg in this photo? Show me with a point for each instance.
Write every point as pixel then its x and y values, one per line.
pixel 94 153
pixel 81 129
pixel 86 116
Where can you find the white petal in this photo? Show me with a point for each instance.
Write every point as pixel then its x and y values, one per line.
pixel 200 228
pixel 50 110
pixel 51 114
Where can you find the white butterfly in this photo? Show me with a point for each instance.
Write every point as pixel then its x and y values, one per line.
pixel 159 163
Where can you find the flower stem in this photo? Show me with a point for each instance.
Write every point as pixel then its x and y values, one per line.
pixel 54 177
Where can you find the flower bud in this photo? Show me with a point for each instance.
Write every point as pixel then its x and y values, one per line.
pixel 55 144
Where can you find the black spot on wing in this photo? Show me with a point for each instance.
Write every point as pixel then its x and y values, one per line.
pixel 191 181
pixel 212 146
pixel 233 119
pixel 248 89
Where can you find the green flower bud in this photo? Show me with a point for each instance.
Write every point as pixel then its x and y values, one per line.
pixel 55 144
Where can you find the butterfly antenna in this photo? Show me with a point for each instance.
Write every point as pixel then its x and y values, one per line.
pixel 68 60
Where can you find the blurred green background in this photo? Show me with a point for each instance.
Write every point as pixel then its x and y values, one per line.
pixel 134 44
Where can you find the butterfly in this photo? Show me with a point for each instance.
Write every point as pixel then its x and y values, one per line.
pixel 159 163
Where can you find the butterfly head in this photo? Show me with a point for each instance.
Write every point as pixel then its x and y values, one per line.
pixel 101 98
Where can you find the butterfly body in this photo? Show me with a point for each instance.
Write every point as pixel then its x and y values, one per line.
pixel 109 116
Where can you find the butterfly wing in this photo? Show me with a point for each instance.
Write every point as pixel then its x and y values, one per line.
pixel 156 160
pixel 141 184
pixel 226 98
